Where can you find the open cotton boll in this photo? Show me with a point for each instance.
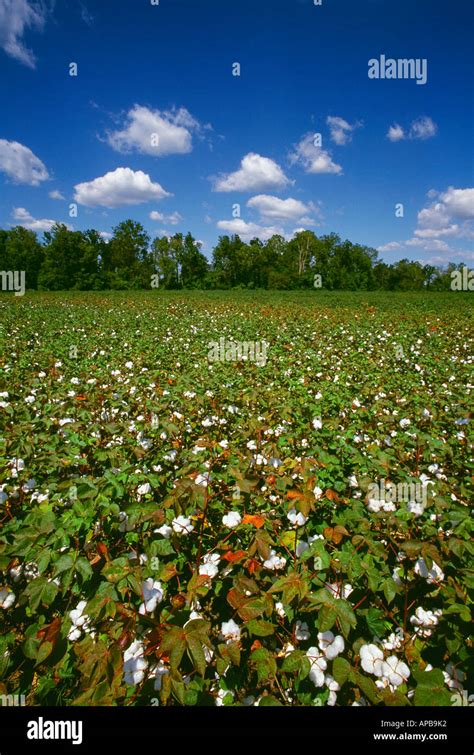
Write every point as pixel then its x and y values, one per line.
pixel 231 520
pixel 134 663
pixel 425 621
pixel 230 631
pixel 395 671
pixel 302 632
pixel 433 575
pixel 209 566
pixel 318 666
pixel 7 598
pixel 330 645
pixel 152 595
pixel 371 658
pixel 274 562
pixel 182 525
pixel 144 489
pixel 297 518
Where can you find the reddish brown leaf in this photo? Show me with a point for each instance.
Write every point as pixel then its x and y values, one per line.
pixel 254 519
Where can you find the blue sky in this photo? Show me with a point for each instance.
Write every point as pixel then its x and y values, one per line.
pixel 156 127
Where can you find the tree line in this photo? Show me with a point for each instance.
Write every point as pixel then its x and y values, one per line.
pixel 130 259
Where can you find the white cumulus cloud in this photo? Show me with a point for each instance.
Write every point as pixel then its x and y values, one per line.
pixel 255 173
pixel 15 17
pixel 156 132
pixel 172 219
pixel 421 128
pixel 312 158
pixel 20 164
pixel 459 202
pixel 24 218
pixel 450 216
pixel 282 209
pixel 340 129
pixel 396 133
pixel 55 194
pixel 248 231
pixel 122 186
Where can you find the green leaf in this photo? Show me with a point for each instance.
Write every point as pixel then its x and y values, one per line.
pixel 431 689
pixel 84 568
pixel 260 628
pixel 341 670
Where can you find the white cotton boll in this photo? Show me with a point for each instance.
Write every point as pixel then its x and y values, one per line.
pixel 317 492
pixel 274 562
pixel 317 424
pixel 333 688
pixel 394 640
pixel 340 591
pixel 417 509
pixel 433 575
pixel 159 672
pixel 251 445
pixel 222 693
pixel 144 489
pixel 164 530
pixel 395 671
pixel 353 483
pixel 152 595
pixel 182 525
pixel 318 666
pixel 7 598
pixel 297 518
pixel 371 658
pixel 302 632
pixel 280 609
pixel 454 677
pixel 404 423
pixel 330 645
pixel 129 365
pixel 202 480
pixel 134 665
pixel 230 631
pixel 232 519
pixel 425 621
pixel 209 567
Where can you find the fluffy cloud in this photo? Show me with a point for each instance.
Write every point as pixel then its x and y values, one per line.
pixel 275 208
pixel 172 219
pixel 429 244
pixel 395 133
pixel 255 173
pixel 156 132
pixel 122 186
pixel 437 220
pixel 449 216
pixel 20 164
pixel 15 17
pixel 248 231
pixel 55 194
pixel 390 247
pixel 313 159
pixel 421 128
pixel 24 218
pixel 459 202
pixel 341 130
